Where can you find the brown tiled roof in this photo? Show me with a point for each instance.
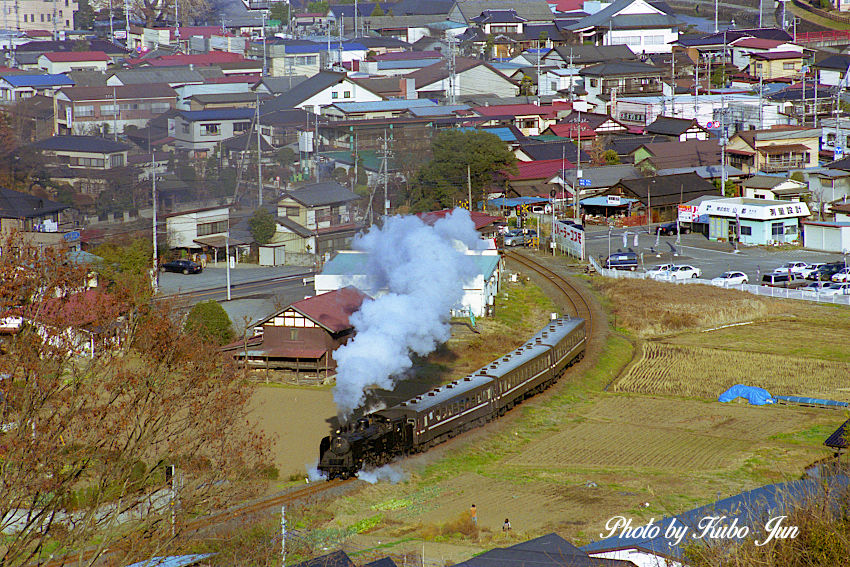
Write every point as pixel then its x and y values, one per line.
pixel 664 190
pixel 332 310
pixel 155 90
pixel 690 153
pixel 783 148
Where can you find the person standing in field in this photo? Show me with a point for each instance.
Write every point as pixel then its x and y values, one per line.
pixel 506 527
pixel 473 513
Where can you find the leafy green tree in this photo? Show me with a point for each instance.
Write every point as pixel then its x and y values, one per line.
pixel 318 7
pixel 279 11
pixel 262 225
pixel 378 11
pixel 286 156
pixel 210 322
pixel 442 182
pixel 611 157
pixel 526 86
pixel 84 16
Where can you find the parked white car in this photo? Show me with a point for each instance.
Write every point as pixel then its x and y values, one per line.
pixel 811 268
pixel 730 278
pixel 836 289
pixel 793 267
pixel 660 270
pixel 682 272
pixel 842 276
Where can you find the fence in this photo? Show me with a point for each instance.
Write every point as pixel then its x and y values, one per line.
pixel 764 291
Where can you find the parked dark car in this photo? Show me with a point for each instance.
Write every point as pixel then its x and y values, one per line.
pixel 825 272
pixel 622 261
pixel 790 280
pixel 670 228
pixel 181 267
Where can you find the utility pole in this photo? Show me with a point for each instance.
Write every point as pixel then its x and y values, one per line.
pixel 572 75
pixel 111 28
pixel 227 253
pixel 577 185
pixel 259 156
pixel 673 84
pixel 722 145
pixel 155 278
pixel 356 29
pixel 283 535
pixel 761 12
pixel 469 185
pixel 716 28
pixel 127 23
pixel 177 21
pixel 114 115
pixel 539 49
pixel 264 44
pixel 452 72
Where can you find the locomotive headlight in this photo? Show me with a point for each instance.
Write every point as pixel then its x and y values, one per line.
pixel 339 445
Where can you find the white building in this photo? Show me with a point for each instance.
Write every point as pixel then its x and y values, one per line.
pixel 348 267
pixel 637 23
pixel 185 228
pixel 743 111
pixel 563 80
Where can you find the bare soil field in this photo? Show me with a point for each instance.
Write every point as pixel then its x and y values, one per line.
pixel 296 418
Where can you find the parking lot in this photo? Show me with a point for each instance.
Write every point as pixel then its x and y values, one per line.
pixel 713 258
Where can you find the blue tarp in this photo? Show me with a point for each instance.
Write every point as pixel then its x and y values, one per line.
pixel 756 396
pixel 812 401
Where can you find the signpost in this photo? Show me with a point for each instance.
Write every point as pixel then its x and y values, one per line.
pixel 569 238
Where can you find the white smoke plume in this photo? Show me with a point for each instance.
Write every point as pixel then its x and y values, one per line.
pixel 313 472
pixel 385 472
pixel 423 268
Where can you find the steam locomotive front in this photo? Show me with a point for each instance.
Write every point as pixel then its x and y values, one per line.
pixel 336 455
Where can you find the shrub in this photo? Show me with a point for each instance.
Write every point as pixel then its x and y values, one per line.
pixel 210 322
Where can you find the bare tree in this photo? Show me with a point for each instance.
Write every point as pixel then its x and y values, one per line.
pixel 100 396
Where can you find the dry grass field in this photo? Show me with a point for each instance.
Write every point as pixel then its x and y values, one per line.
pixel 690 371
pixel 648 308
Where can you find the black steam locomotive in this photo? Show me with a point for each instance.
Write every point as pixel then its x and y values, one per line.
pixel 424 421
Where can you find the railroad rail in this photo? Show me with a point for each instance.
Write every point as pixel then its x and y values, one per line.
pixel 580 305
pixel 223 520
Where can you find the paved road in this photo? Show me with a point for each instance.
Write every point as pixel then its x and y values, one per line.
pixel 281 284
pixel 712 257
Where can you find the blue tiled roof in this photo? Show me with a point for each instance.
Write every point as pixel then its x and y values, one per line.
pixel 504 134
pixel 322 47
pixel 172 561
pixel 514 201
pixel 406 64
pixel 219 114
pixel 55 80
pixel 386 105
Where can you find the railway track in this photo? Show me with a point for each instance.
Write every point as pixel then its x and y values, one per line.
pixel 229 518
pixel 261 506
pixel 574 297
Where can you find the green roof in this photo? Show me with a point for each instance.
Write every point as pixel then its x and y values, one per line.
pixel 354 263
